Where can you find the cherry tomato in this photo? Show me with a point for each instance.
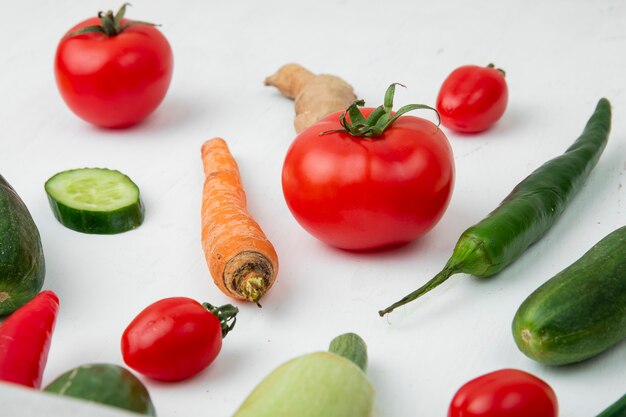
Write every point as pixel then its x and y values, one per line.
pixel 504 393
pixel 472 98
pixel 113 80
pixel 361 193
pixel 175 338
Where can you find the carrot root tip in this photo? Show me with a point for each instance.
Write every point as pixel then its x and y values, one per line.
pixel 252 288
pixel 249 275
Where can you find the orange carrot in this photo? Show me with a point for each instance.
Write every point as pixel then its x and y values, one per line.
pixel 242 261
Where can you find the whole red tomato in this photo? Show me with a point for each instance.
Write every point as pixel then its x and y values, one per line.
pixel 175 338
pixel 116 75
pixel 504 393
pixel 355 190
pixel 472 98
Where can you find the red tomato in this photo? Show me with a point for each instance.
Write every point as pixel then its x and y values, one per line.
pixel 361 193
pixel 172 339
pixel 113 81
pixel 472 98
pixel 504 393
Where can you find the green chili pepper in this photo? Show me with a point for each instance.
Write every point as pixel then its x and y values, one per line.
pixel 527 212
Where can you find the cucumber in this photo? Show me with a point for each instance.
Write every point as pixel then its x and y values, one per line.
pixel 106 384
pixel 95 200
pixel 581 311
pixel 617 409
pixel 22 264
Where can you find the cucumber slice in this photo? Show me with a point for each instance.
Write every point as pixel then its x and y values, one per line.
pixel 95 200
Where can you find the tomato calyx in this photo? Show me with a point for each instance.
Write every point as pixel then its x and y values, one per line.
pixel 500 70
pixel 111 24
pixel 226 314
pixel 380 119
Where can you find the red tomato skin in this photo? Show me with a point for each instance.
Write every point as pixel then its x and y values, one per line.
pixel 472 98
pixel 357 193
pixel 172 339
pixel 504 393
pixel 117 81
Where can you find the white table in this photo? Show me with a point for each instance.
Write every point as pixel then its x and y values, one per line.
pixel 560 58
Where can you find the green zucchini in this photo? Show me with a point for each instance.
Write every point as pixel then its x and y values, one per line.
pixel 581 311
pixel 22 264
pixel 329 384
pixel 107 384
pixel 95 200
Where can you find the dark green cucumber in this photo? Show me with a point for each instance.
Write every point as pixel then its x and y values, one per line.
pixel 617 409
pixel 22 265
pixel 106 384
pixel 581 311
pixel 95 200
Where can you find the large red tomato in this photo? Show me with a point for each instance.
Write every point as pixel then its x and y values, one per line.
pixel 505 393
pixel 362 193
pixel 472 98
pixel 175 338
pixel 116 76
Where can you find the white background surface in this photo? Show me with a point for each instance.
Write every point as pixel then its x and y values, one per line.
pixel 560 58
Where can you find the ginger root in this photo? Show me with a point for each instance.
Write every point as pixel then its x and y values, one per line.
pixel 315 95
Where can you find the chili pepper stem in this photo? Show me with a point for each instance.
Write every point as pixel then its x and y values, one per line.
pixel 441 277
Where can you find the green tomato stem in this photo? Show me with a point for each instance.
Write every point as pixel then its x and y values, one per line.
pixel 491 65
pixel 354 123
pixel 110 24
pixel 226 314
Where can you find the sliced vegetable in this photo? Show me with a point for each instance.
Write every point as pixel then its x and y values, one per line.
pixel 25 338
pixel 315 95
pixel 364 179
pixel 107 384
pixel 527 213
pixel 504 393
pixel 95 200
pixel 175 338
pixel 22 263
pixel 617 409
pixel 242 261
pixel 329 384
pixel 581 311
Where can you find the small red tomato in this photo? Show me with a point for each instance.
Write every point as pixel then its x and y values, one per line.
pixel 113 72
pixel 369 178
pixel 472 98
pixel 504 393
pixel 175 338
